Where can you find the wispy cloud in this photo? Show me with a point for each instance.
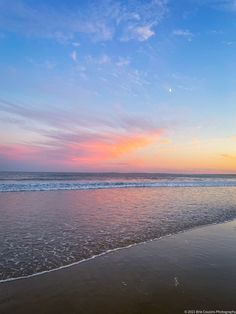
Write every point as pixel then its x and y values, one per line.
pixel 229 156
pixel 79 140
pixel 104 59
pixel 143 33
pixel 80 153
pixel 185 33
pixel 65 119
pixel 122 62
pixel 140 25
pixel 73 56
pixel 225 5
pixel 103 22
pixel 75 44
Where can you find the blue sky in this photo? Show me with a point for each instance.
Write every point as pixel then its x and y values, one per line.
pixel 118 85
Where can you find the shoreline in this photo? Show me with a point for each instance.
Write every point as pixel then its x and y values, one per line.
pixel 2 281
pixel 193 269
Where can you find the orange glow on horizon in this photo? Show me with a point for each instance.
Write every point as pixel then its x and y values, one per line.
pixel 151 152
pixel 116 146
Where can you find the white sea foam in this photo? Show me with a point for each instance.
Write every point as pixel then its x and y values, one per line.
pixel 108 252
pixel 56 186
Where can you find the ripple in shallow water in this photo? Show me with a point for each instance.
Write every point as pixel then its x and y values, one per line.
pixel 43 231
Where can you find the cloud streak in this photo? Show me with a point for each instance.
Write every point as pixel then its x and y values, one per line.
pixel 74 143
pixel 90 152
pixel 185 33
pixel 73 56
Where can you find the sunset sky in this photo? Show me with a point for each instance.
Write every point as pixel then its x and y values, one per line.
pixel 118 85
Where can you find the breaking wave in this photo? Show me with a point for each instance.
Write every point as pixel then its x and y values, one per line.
pixel 55 186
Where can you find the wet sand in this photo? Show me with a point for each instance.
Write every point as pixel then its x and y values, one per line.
pixel 193 270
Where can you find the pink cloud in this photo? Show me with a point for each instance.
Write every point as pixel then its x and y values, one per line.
pixel 89 152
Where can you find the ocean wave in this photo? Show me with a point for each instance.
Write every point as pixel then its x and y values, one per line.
pixel 56 186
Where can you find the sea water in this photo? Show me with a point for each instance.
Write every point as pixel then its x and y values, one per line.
pixel 52 220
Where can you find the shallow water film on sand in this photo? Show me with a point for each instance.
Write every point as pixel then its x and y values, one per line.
pixel 42 229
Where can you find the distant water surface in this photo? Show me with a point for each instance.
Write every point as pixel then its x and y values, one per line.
pixel 43 227
pixel 51 181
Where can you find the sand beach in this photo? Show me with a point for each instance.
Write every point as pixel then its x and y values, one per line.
pixel 191 270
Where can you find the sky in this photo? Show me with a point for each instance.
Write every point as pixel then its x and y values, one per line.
pixel 127 86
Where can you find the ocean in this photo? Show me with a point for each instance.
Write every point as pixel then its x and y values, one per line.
pixel 52 220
